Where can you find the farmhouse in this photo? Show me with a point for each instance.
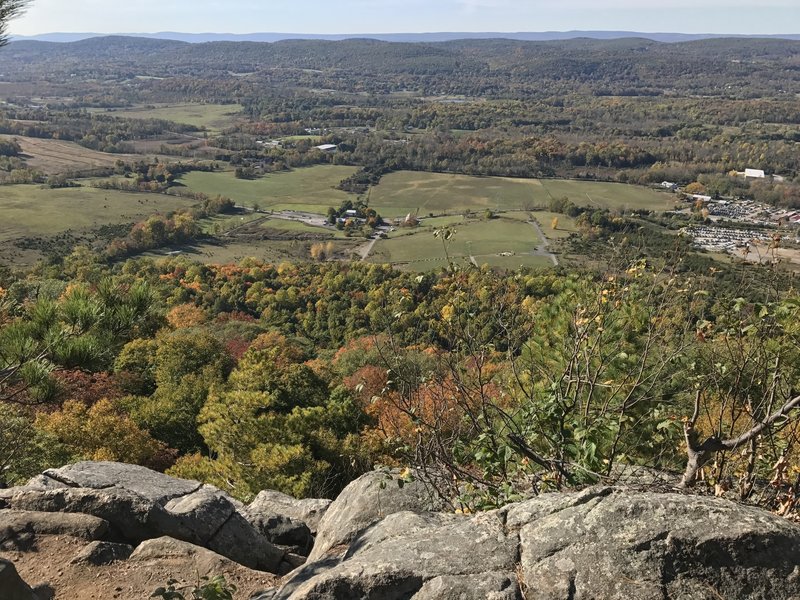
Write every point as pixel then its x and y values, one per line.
pixel 327 148
pixel 754 174
pixel 669 185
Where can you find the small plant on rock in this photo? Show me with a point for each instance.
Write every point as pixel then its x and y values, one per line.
pixel 205 588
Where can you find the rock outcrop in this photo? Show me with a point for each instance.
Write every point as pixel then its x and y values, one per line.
pixel 270 503
pixel 365 501
pixel 602 543
pixel 135 504
pixel 383 540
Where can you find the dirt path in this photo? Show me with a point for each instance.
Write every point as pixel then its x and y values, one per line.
pixel 49 561
pixel 365 250
pixel 543 249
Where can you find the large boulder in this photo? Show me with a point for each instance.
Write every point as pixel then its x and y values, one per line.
pixel 102 553
pixel 601 543
pixel 172 552
pixel 141 481
pixel 654 546
pixel 14 523
pixel 409 553
pixel 127 496
pixel 270 503
pixel 12 587
pixel 364 502
pixel 140 504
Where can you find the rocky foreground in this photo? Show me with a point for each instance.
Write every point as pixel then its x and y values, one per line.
pixel 107 530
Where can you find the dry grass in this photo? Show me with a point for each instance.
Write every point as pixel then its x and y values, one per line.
pixel 57 156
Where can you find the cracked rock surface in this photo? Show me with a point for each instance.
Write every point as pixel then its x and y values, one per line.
pixel 380 540
pixel 601 543
pixel 138 504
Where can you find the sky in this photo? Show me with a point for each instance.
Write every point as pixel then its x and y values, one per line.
pixel 409 16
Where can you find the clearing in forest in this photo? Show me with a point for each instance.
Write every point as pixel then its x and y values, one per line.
pixel 310 189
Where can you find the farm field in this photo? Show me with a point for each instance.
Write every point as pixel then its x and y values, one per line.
pixel 57 156
pixel 213 117
pixel 234 251
pixel 29 210
pixel 484 241
pixel 299 227
pixel 310 189
pixel 406 192
pixel 601 194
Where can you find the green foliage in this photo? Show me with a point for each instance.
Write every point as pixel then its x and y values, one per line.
pixel 277 427
pixel 205 588
pixel 25 451
pixel 183 369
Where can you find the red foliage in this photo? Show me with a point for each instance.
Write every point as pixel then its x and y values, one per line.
pixel 88 388
pixel 237 347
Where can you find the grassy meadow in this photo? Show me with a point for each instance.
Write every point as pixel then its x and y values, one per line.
pixel 483 241
pixel 406 192
pixel 58 156
pixel 310 189
pixel 30 210
pixel 213 117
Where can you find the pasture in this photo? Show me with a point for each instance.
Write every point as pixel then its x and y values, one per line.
pixel 30 210
pixel 498 242
pixel 310 189
pixel 57 156
pixel 406 192
pixel 213 117
pixel 224 251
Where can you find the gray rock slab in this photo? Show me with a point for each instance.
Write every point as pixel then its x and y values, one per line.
pixel 86 527
pixel 652 546
pixel 398 556
pixel 240 541
pixel 150 485
pixel 269 503
pixel 486 586
pixel 365 501
pixel 102 553
pixel 196 517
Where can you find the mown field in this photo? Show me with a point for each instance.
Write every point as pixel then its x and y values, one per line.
pixel 224 251
pixel 310 189
pixel 480 242
pixel 57 156
pixel 406 192
pixel 213 117
pixel 30 210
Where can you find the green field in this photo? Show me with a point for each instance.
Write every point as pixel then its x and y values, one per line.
pixel 609 195
pixel 484 241
pixel 271 251
pixel 29 210
pixel 311 189
pixel 301 228
pixel 213 117
pixel 406 192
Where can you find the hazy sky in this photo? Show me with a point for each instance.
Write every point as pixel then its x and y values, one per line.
pixel 390 16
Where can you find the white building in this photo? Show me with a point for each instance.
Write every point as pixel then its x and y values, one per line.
pixel 754 174
pixel 327 147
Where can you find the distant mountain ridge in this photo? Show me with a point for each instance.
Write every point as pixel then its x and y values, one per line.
pixel 403 37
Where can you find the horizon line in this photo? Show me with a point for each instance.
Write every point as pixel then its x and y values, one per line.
pixel 441 32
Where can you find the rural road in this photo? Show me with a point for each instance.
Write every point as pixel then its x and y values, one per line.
pixel 543 248
pixel 365 250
